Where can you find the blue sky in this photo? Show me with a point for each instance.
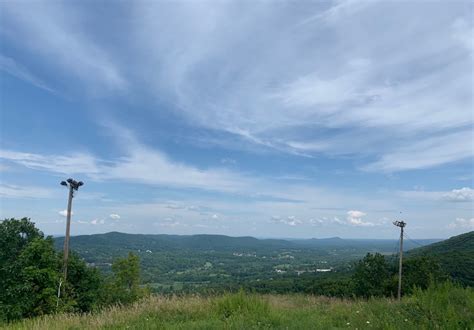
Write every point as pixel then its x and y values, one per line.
pixel 269 119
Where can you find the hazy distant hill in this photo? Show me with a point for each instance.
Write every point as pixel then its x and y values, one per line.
pixel 456 255
pixel 162 242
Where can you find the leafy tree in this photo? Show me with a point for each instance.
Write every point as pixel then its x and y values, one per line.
pixel 30 269
pixel 83 287
pixel 124 286
pixel 371 276
pixel 15 236
pixel 420 272
pixel 38 278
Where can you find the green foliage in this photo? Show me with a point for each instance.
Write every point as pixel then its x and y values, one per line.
pixel 371 276
pixel 30 271
pixel 84 286
pixel 124 286
pixel 455 256
pixel 20 244
pixel 420 272
pixel 38 278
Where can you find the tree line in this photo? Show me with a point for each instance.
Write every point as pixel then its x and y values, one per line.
pixel 31 271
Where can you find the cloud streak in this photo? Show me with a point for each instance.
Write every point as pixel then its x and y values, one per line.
pixel 334 81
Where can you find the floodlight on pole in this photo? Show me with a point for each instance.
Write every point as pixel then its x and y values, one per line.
pixel 73 185
pixel 402 225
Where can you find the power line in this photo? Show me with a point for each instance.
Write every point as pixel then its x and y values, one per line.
pixel 413 241
pixel 395 249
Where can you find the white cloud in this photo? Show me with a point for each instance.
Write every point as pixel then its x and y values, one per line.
pixel 16 191
pixel 462 224
pixel 64 213
pixel 317 222
pixel 460 195
pixel 429 152
pixel 114 216
pixel 97 222
pixel 289 220
pixel 338 221
pixel 354 218
pixel 215 217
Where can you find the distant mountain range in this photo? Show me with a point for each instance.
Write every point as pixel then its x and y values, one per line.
pixel 162 242
pixel 180 258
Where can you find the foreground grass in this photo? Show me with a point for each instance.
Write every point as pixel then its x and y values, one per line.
pixel 443 307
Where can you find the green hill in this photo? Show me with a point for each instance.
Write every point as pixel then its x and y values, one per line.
pixel 163 242
pixel 456 256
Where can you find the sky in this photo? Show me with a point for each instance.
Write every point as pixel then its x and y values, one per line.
pixel 243 118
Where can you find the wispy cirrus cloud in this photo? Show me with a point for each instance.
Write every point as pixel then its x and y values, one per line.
pixel 461 195
pixel 428 152
pixel 25 191
pixel 360 94
pixel 139 164
pixel 10 66
pixel 56 33
pixel 356 105
pixel 64 164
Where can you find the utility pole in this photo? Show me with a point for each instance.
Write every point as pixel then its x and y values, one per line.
pixel 400 224
pixel 73 186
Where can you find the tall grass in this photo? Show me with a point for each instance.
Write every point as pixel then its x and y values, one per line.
pixel 444 306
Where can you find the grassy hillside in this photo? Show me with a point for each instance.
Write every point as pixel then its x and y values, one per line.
pixel 456 256
pixel 445 307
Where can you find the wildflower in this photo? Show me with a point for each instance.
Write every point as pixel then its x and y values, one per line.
pixel 368 322
pixel 348 323
pixel 406 320
pixel 357 312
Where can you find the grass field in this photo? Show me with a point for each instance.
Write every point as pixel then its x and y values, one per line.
pixel 442 307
